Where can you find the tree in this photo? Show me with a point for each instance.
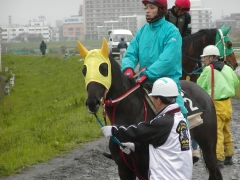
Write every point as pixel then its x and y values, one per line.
pixel 29 37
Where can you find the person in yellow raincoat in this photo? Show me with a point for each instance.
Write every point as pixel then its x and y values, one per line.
pixel 225 81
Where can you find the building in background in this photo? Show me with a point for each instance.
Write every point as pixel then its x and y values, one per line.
pixel 98 13
pixel 54 34
pixel 36 30
pixel 22 33
pixel 132 23
pixel 232 20
pixel 59 29
pixel 103 15
pixel 73 28
pixel 201 17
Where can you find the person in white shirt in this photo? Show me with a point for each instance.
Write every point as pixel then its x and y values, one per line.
pixel 167 135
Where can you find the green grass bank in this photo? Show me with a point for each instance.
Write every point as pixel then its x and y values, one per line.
pixel 45 114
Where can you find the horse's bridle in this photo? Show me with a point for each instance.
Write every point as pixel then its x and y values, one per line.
pixel 222 40
pixel 224 48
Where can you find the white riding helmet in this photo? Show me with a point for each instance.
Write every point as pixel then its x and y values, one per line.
pixel 210 50
pixel 164 87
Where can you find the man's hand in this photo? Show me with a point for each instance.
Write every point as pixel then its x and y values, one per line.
pixel 129 72
pixel 128 147
pixel 142 79
pixel 107 131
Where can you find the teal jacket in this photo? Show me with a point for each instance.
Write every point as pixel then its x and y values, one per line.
pixel 225 80
pixel 158 47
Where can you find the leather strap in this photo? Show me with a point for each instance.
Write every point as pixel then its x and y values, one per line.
pixel 212 82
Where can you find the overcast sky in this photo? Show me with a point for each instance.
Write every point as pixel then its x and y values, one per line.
pixel 24 10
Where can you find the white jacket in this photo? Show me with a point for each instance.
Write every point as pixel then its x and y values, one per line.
pixel 169 140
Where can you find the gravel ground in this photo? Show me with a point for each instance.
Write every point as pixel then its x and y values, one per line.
pixel 88 163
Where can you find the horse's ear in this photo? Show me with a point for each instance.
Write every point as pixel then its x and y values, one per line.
pixel 82 50
pixel 226 30
pixel 104 49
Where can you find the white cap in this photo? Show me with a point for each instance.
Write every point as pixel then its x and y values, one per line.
pixel 210 50
pixel 164 87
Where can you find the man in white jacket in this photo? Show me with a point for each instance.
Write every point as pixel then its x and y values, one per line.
pixel 168 136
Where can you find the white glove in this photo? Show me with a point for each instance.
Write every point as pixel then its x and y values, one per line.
pixel 107 131
pixel 128 147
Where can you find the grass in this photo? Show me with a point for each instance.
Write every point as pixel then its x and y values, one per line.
pixel 45 114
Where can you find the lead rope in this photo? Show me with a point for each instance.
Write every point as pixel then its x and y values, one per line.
pixel 113 138
pixel 212 82
pixel 113 103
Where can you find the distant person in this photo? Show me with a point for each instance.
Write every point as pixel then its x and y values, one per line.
pixel 122 46
pixel 43 47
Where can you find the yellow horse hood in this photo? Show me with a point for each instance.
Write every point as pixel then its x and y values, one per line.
pixel 92 60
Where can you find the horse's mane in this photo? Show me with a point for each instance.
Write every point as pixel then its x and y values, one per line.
pixel 197 40
pixel 123 80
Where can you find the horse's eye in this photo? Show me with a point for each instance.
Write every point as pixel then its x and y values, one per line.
pixel 84 70
pixel 103 69
pixel 229 44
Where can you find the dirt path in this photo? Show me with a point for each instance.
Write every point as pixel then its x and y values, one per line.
pixel 87 162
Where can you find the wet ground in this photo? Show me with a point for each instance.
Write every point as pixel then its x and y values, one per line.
pixel 88 163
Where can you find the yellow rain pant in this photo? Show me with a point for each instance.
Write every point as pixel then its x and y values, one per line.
pixel 224 138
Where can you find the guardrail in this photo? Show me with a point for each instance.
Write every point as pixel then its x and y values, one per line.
pixel 236 50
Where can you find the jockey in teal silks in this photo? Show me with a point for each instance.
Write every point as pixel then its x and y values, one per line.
pixel 157 46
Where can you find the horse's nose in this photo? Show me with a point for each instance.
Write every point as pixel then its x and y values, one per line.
pixel 93 105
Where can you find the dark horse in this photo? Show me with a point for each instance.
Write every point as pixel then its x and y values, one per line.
pixel 194 44
pixel 104 79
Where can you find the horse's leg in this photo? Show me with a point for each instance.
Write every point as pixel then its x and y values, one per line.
pixel 206 133
pixel 123 170
pixel 125 173
pixel 140 160
pixel 208 147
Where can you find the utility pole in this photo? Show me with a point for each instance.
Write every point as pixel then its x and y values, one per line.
pixel 0 49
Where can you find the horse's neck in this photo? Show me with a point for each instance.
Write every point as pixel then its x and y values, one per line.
pixel 129 110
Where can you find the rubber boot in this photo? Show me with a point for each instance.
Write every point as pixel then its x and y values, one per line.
pixel 196 156
pixel 228 161
pixel 107 155
pixel 220 164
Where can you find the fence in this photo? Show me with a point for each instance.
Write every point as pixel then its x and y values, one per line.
pixel 20 51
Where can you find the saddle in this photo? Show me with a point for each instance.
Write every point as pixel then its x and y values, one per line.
pixel 194 110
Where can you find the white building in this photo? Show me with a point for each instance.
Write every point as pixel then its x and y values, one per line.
pixel 132 23
pixel 99 12
pixel 9 33
pixel 54 34
pixel 201 17
pixel 35 27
